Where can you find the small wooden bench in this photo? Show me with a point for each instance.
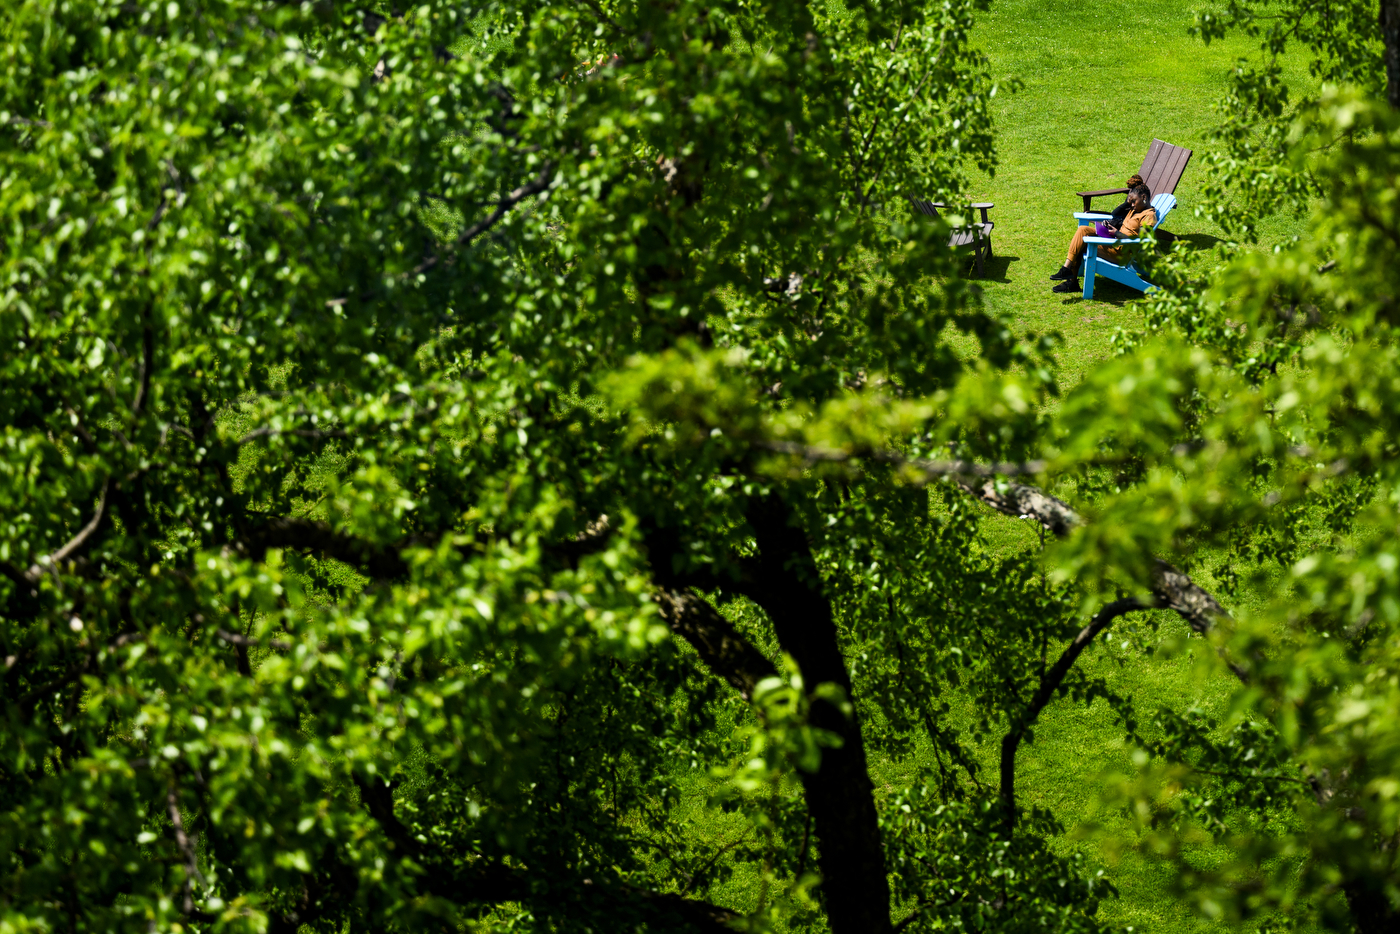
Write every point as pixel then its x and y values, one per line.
pixel 976 238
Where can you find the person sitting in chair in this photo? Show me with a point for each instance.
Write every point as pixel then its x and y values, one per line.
pixel 1121 211
pixel 1139 215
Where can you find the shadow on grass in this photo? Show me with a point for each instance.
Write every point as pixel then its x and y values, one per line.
pixel 1106 292
pixel 1198 241
pixel 994 269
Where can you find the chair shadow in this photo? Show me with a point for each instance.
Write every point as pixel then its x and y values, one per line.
pixel 994 269
pixel 1106 292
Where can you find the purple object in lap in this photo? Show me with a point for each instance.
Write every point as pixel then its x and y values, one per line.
pixel 1103 230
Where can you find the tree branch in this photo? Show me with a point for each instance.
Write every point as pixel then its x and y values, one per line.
pixel 148 353
pixel 1022 501
pixel 540 183
pixel 483 881
pixel 379 561
pixel 1171 588
pixel 233 638
pixel 1049 683
pixel 298 432
pixel 1175 591
pixel 50 561
pixel 721 646
pixel 182 842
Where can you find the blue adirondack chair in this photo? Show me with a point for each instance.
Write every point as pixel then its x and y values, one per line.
pixel 1128 274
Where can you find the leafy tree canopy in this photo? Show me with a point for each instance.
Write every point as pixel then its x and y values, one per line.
pixel 439 442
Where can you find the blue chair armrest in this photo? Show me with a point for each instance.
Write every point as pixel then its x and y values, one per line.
pixel 1110 240
pixel 1091 216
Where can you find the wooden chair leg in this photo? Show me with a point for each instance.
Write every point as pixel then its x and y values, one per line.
pixel 980 251
pixel 1090 262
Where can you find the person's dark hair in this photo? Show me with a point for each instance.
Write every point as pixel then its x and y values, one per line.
pixel 1143 192
pixel 1134 181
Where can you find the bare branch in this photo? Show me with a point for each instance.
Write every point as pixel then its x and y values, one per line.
pixel 1050 682
pixel 51 561
pixel 540 183
pixel 182 841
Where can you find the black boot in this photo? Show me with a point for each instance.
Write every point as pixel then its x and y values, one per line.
pixel 1064 273
pixel 1069 285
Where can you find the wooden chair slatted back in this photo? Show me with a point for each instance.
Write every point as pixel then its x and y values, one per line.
pixel 1164 166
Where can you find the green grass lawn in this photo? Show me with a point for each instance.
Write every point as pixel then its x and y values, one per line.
pixel 1101 81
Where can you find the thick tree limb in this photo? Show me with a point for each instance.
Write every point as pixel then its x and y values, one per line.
pixel 1175 591
pixel 381 562
pixel 1171 588
pixel 721 646
pixel 1022 501
pixel 783 579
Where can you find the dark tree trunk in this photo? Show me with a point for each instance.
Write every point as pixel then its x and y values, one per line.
pixel 1390 34
pixel 1371 910
pixel 840 796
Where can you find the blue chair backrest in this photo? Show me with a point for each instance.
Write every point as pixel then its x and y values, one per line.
pixel 1163 205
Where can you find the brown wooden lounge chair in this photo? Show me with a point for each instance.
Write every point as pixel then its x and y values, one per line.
pixel 975 238
pixel 1160 172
